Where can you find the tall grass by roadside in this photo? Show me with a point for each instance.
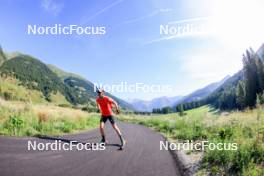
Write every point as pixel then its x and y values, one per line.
pixel 243 128
pixel 20 119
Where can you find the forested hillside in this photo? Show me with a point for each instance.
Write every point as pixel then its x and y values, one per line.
pixel 239 91
pixel 35 75
pixel 86 90
pixel 50 81
pixel 61 73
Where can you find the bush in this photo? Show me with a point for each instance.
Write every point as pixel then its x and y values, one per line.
pixel 14 124
pixel 189 130
pixel 64 105
pixel 225 132
pixel 253 170
pixel 242 158
pixel 7 95
pixel 42 117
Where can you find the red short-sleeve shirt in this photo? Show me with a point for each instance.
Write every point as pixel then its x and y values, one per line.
pixel 105 104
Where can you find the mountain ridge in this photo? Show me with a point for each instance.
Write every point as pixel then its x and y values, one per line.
pixel 149 105
pixel 202 92
pixel 49 79
pixel 3 57
pixel 160 102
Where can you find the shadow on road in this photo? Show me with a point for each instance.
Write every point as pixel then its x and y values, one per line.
pixel 61 139
pixel 115 145
pixel 71 140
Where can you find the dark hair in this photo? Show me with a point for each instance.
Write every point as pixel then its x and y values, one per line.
pixel 100 91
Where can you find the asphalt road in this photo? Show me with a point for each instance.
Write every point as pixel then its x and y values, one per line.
pixel 141 156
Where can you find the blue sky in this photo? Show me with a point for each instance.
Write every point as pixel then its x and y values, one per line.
pixel 133 50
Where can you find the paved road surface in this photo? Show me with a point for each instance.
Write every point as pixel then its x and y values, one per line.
pixel 141 157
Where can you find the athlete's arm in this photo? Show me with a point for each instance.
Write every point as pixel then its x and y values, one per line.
pixel 116 107
pixel 98 106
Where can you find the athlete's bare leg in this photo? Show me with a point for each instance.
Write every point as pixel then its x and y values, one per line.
pixel 116 129
pixel 102 131
pixel 119 134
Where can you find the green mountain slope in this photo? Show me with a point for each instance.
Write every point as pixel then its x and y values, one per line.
pixel 83 87
pixel 61 73
pixel 35 75
pixel 50 81
pixel 86 89
pixel 2 56
pixel 203 92
pixel 228 88
pixel 12 89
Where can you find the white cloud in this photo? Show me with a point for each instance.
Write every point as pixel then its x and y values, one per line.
pixel 52 7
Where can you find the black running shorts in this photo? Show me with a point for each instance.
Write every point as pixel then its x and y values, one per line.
pixel 105 118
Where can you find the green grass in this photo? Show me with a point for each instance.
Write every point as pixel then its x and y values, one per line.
pixel 19 119
pixel 25 112
pixel 204 123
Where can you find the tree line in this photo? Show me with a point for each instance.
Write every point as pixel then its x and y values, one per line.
pixel 242 91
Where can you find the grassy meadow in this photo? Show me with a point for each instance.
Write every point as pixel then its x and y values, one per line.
pixel 27 119
pixel 244 128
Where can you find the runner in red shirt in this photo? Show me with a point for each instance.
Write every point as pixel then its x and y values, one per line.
pixel 105 104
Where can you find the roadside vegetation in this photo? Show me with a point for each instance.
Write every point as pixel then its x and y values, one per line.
pixel 26 112
pixel 205 123
pixel 27 119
